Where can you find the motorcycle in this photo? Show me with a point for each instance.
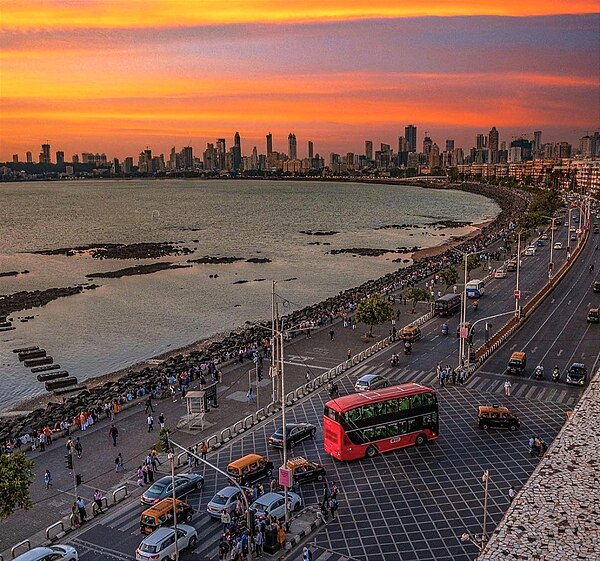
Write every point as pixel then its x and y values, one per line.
pixel 555 374
pixel 539 373
pixel 475 305
pixel 394 360
pixel 407 348
pixel 332 389
pixel 444 329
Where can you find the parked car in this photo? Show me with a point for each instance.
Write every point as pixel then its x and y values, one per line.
pixel 558 245
pixel 295 432
pixel 160 545
pixel 54 552
pixel 225 499
pixel 163 488
pixel 273 504
pixel 370 382
pixel 496 417
pixel 577 374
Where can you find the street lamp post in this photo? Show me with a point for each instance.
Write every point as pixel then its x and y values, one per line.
pixel 551 262
pixel 463 316
pixel 569 232
pixel 517 292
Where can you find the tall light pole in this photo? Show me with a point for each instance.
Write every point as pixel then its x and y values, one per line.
pixel 551 262
pixel 171 457
pixel 485 478
pixel 569 232
pixel 517 291
pixel 463 316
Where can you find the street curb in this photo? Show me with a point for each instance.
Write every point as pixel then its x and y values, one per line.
pixel 296 539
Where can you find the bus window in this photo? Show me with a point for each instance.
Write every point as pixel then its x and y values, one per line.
pixel 392 430
pixel 429 399
pixel 402 427
pixel 367 411
pixel 404 403
pixel 391 406
pixel 411 425
pixel 353 415
pixel 416 400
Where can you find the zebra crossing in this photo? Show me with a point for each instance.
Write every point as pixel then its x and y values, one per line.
pixel 482 381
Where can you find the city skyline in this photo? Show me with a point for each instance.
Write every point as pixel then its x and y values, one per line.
pixel 117 79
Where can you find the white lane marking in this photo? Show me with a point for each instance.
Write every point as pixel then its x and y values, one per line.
pixel 311 366
pixel 560 352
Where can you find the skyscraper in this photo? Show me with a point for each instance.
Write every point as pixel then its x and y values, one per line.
pixel 493 140
pixel 15 158
pixel 269 144
pixel 402 145
pixel 29 157
pixel 45 154
pixel 60 158
pixel 187 158
pixel 369 149
pixel 220 163
pixel 292 148
pixel 450 145
pixel 311 149
pixel 537 142
pixel 410 133
pixel 237 151
pixel 480 142
pixel 427 144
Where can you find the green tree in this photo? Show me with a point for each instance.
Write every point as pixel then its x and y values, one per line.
pixel 417 294
pixel 374 311
pixel 449 276
pixel 16 476
pixel 473 262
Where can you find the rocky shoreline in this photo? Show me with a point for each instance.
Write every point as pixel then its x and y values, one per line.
pixel 144 250
pixel 512 203
pixel 137 270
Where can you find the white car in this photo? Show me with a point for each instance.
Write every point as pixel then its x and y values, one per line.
pixel 160 544
pixel 51 553
pixel 530 251
pixel 558 245
pixel 500 274
pixel 273 504
pixel 225 499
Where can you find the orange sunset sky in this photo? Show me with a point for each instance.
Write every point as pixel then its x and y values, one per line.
pixel 116 76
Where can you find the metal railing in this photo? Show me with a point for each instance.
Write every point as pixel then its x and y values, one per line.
pixel 95 507
pixel 119 490
pixel 51 527
pixel 17 546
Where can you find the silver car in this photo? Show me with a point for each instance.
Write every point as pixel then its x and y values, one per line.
pixel 370 382
pixel 273 504
pixel 51 553
pixel 225 499
pixel 160 544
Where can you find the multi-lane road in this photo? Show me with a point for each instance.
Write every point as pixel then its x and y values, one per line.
pixel 415 503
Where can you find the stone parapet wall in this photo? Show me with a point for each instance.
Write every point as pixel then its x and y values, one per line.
pixel 556 515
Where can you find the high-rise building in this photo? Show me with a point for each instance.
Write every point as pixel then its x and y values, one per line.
pixel 369 149
pixel 480 142
pixel 220 163
pixel 525 146
pixel 410 133
pixel 449 145
pixel 127 165
pixel 537 142
pixel 434 156
pixel 75 159
pixel 427 144
pixel 269 144
pixel 292 147
pixel 311 149
pixel 15 158
pixel 237 151
pixel 187 158
pixel 402 145
pixel 29 157
pixel 493 140
pixel 60 158
pixel 45 154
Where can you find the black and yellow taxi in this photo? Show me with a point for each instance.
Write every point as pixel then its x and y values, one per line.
pixel 496 416
pixel 517 363
pixel 411 333
pixel 304 470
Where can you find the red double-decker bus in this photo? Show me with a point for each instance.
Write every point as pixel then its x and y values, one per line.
pixel 373 422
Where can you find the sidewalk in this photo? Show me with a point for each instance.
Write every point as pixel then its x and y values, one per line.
pixel 97 463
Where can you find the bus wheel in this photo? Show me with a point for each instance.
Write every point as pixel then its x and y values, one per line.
pixel 371 452
pixel 421 439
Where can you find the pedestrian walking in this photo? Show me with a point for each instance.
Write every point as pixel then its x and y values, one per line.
pixel 349 354
pixel 150 421
pixel 333 506
pixel 307 554
pixel 119 465
pixel 161 421
pixel 250 396
pixel 334 491
pixel 331 334
pixel 149 405
pixel 507 388
pixel 47 479
pixel 258 543
pixel 512 493
pixel 145 473
pixel 42 441
pixel 281 536
pixel 81 507
pixel 190 457
pixel 223 549
pixel 203 450
pixel 113 433
pixel 307 376
pixel 74 516
pixel 78 448
pixel 98 497
pixel 225 519
pixel 69 445
pixel 140 477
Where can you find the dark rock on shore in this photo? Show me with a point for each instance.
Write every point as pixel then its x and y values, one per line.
pixel 396 227
pixel 258 260
pixel 208 260
pixel 143 250
pixel 9 274
pixel 26 300
pixel 367 251
pixel 449 224
pixel 319 232
pixel 137 270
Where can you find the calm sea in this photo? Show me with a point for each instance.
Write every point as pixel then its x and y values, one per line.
pixel 134 318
